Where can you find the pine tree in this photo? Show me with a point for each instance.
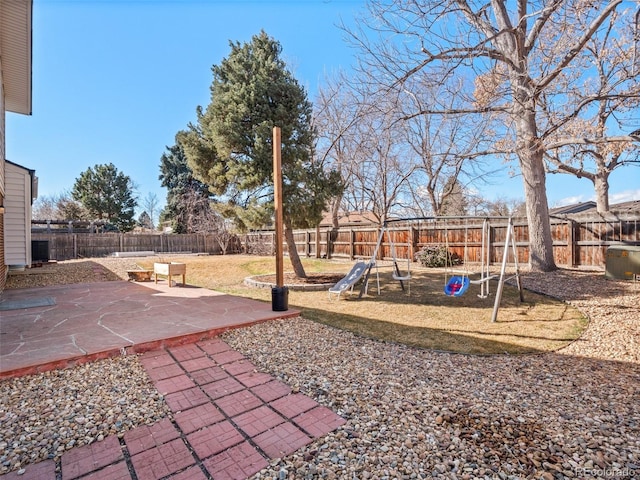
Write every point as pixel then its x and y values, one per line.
pixel 107 194
pixel 231 148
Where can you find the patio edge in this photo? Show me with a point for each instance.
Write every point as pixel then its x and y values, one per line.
pixel 137 348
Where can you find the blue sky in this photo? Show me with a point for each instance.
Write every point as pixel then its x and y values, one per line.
pixel 114 80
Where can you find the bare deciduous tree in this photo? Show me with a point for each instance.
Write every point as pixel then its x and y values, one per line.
pixel 500 207
pixel 224 232
pixel 448 150
pixel 196 214
pixel 362 139
pixel 584 139
pixel 382 168
pixel 45 208
pixel 336 113
pixel 500 58
pixel 58 207
pixel 150 205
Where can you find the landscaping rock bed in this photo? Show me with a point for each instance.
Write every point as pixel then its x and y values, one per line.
pixel 42 416
pixel 421 414
pixel 73 271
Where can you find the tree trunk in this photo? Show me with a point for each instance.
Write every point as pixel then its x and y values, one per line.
pixel 540 239
pixel 293 251
pixel 601 184
pixel 335 211
pixel 531 159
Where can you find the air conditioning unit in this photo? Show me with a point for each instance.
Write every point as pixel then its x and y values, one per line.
pixel 623 262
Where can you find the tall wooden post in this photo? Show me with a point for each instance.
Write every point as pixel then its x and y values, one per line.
pixel 277 201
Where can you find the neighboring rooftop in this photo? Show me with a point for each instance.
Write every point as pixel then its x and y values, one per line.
pixel 575 208
pixel 346 219
pixel 630 207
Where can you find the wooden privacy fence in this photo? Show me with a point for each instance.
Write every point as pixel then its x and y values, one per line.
pixel 65 246
pixel 581 240
pixel 577 241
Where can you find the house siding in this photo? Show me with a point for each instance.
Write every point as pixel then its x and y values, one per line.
pixel 3 266
pixel 17 216
pixel 15 96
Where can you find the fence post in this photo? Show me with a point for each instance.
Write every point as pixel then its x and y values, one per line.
pixel 318 253
pixel 413 245
pixel 572 242
pixel 352 243
pixel 490 235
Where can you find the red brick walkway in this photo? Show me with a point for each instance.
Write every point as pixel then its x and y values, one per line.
pixel 228 421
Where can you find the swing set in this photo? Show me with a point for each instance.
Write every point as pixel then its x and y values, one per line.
pixel 636 40
pixel 456 283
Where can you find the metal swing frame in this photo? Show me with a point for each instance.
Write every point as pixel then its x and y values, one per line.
pixel 636 40
pixel 485 263
pixel 396 274
pixel 509 244
pixel 510 241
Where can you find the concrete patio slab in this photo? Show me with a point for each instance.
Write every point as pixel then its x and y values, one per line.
pixel 98 320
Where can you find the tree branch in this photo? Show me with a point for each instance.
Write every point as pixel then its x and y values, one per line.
pixel 568 169
pixel 589 141
pixel 578 46
pixel 539 24
pixel 587 101
pixel 454 111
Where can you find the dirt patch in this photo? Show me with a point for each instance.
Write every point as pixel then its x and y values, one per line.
pixel 71 271
pixel 312 278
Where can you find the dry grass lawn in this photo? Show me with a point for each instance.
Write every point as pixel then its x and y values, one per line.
pixel 427 318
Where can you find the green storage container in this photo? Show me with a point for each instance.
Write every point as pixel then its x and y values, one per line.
pixel 623 262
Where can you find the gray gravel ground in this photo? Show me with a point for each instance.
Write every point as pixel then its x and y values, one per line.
pixel 411 413
pixel 420 414
pixel 43 415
